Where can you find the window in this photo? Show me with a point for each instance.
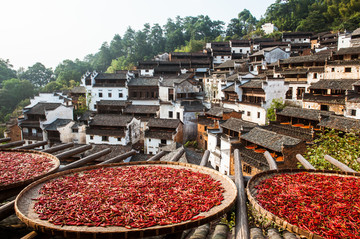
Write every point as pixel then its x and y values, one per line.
pixel 200 137
pixel 315 75
pixel 247 169
pixel 347 69
pixel 353 112
pixel 205 128
pixel 120 94
pixel 105 138
pixel 333 69
pixel 109 94
pixel 248 113
pixel 258 115
pixel 163 141
pixel 170 114
pixel 118 139
pixel 324 107
pixel 91 137
pixel 134 94
pixel 75 130
pixel 149 140
pixel 100 94
pixel 178 115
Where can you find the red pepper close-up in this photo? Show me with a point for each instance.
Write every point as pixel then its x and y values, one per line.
pixel 131 197
pixel 326 205
pixel 20 166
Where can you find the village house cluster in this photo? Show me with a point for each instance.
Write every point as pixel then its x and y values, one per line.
pixel 218 97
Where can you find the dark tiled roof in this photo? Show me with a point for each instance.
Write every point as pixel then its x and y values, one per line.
pixel 330 99
pixel 78 90
pixel 230 88
pixel 111 120
pixel 193 106
pixel 144 82
pixel 269 139
pixel 262 52
pixel 57 123
pixel 234 77
pixel 218 111
pixel 293 72
pixel 206 121
pixel 86 115
pixel 227 64
pixel 302 113
pixel 303 59
pixel 105 132
pixel 253 84
pixel 29 123
pixel 348 50
pixel 159 134
pixel 292 34
pixel 163 123
pixel 354 98
pixel 237 125
pixel 111 76
pixel 40 108
pixel 256 160
pixel 111 103
pixel 333 84
pixel 141 109
pixel 171 81
pixel 340 123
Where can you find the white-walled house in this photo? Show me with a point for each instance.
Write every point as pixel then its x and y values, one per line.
pixel 56 97
pixel 113 129
pixel 39 115
pixel 260 59
pixel 257 95
pixel 105 86
pixel 162 132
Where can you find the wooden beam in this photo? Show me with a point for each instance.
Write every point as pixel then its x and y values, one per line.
pixel 157 157
pixel 119 158
pixel 178 155
pixel 271 161
pixel 30 235
pixel 7 210
pixel 338 164
pixel 32 146
pixel 3 140
pixel 304 162
pixel 205 158
pixel 12 144
pixel 57 148
pixel 241 223
pixel 85 160
pixel 72 152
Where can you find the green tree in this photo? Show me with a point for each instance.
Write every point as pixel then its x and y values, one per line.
pixel 38 75
pixel 276 104
pixel 70 70
pixel 344 147
pixel 6 71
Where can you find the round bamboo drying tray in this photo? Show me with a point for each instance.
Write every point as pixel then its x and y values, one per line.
pixel 23 183
pixel 24 207
pixel 252 192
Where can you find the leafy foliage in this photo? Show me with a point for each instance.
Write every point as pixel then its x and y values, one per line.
pixel 276 104
pixel 344 147
pixel 37 74
pixel 6 71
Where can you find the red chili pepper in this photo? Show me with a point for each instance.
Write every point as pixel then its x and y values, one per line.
pixel 133 197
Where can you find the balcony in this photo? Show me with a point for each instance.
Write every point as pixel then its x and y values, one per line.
pixel 37 136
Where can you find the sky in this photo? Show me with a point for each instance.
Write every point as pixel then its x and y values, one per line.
pixel 50 31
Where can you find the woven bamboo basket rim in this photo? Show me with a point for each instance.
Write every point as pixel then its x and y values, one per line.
pixel 252 192
pixel 23 183
pixel 24 207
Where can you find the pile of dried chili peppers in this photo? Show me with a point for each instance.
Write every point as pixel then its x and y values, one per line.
pixel 17 167
pixel 132 197
pixel 327 205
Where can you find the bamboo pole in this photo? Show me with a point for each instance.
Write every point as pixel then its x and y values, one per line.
pixel 271 161
pixel 119 158
pixel 241 223
pixel 157 157
pixel 178 155
pixel 72 152
pixel 3 140
pixel 32 146
pixel 256 233
pixel 205 158
pixel 85 160
pixel 12 144
pixel 304 162
pixel 221 231
pixel 338 164
pixel 201 232
pixel 57 148
pixel 7 210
